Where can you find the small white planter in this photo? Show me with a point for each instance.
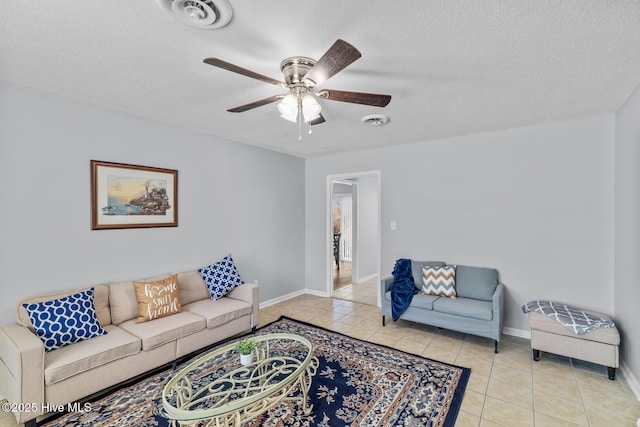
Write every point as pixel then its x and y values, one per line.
pixel 246 359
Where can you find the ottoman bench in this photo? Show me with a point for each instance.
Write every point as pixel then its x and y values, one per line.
pixel 597 346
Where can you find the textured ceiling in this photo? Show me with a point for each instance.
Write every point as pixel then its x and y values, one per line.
pixel 452 67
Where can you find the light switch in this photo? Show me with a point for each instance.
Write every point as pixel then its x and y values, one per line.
pixel 393 226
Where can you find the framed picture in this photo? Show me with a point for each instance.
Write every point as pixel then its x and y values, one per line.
pixel 128 196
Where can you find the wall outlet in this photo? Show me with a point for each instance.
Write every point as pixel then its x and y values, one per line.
pixel 393 226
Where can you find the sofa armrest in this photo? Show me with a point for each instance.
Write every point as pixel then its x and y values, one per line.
pixel 385 284
pixel 498 308
pixel 22 370
pixel 249 292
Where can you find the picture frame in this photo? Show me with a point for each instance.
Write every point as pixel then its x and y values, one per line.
pixel 131 196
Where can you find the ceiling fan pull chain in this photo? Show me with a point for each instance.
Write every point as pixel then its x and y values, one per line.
pixel 310 131
pixel 299 119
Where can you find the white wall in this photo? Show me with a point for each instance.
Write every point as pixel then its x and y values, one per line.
pixel 536 203
pixel 232 198
pixel 627 230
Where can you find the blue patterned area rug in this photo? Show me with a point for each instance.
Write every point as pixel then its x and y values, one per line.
pixel 358 383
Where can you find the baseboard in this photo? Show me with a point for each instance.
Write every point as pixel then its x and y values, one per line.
pixel 282 298
pixel 364 279
pixel 316 293
pixel 520 333
pixel 632 381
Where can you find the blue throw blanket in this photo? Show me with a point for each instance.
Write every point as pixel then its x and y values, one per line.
pixel 402 289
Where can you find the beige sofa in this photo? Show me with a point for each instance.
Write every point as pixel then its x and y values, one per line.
pixel 34 380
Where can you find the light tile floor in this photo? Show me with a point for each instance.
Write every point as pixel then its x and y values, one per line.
pixel 505 389
pixel 365 292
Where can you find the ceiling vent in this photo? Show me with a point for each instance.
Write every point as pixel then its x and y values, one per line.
pixel 205 14
pixel 375 120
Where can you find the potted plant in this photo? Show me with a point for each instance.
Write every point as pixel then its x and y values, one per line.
pixel 246 347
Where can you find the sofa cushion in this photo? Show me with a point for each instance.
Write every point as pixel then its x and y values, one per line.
pixel 165 329
pixel 419 300
pixel 466 307
pixel 191 287
pixel 123 303
pixel 221 277
pixel 158 298
pixel 220 311
pixel 440 281
pixel 101 302
pixel 65 320
pixel 424 301
pixel 476 282
pixel 416 270
pixel 68 361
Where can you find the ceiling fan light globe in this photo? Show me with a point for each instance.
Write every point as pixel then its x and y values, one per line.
pixel 310 108
pixel 308 118
pixel 288 108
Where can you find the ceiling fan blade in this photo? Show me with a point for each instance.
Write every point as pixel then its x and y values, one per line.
pixel 320 119
pixel 338 57
pixel 255 104
pixel 377 100
pixel 216 62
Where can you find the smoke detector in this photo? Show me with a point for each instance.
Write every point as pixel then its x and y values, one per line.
pixel 375 119
pixel 205 14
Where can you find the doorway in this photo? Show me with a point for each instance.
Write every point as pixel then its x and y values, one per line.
pixel 353 236
pixel 342 217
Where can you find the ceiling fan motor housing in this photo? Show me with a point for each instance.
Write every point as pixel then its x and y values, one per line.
pixel 295 68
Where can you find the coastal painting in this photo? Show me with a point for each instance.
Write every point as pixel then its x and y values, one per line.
pixel 130 196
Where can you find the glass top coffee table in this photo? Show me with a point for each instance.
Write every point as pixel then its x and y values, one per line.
pixel 216 390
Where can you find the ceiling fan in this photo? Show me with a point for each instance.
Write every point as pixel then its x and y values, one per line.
pixel 301 76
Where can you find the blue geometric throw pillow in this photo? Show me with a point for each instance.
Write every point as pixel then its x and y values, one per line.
pixel 221 277
pixel 65 320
